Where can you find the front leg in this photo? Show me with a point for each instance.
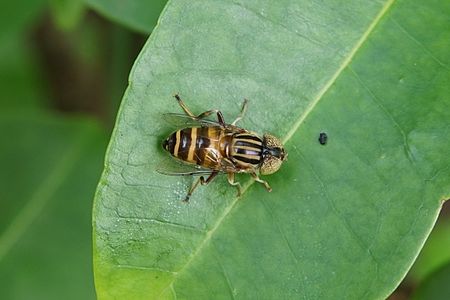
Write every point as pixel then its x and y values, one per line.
pixel 256 177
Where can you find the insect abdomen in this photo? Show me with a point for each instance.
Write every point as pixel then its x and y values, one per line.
pixel 246 149
pixel 190 144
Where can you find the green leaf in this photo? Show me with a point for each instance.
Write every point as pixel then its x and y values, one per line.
pixel 434 254
pixel 345 220
pixel 435 286
pixel 21 82
pixel 137 15
pixel 67 13
pixel 47 180
pixel 17 16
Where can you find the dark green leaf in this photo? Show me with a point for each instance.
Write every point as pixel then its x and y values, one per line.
pixel 435 252
pixel 17 16
pixel 345 220
pixel 47 181
pixel 435 286
pixel 67 13
pixel 20 82
pixel 138 15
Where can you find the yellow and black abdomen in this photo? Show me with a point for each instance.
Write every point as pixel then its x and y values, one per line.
pixel 194 145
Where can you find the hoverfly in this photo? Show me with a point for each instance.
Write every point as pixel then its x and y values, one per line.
pixel 215 147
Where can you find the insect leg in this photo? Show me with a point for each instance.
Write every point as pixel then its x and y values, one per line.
pixel 242 113
pixel 256 177
pixel 183 106
pixel 202 181
pixel 209 112
pixel 232 182
pixel 202 115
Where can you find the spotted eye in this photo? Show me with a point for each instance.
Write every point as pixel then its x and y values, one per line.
pixel 270 164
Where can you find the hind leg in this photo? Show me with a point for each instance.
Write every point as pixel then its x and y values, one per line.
pixel 202 115
pixel 242 113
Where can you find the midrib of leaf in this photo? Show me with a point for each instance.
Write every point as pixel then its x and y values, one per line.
pixel 290 133
pixel 42 195
pixel 344 64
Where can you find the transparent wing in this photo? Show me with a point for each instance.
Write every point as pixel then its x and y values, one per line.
pixel 174 167
pixel 183 120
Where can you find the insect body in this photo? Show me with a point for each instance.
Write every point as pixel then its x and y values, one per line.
pixel 217 147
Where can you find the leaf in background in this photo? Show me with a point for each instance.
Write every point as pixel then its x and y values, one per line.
pixel 435 252
pixel 47 179
pixel 17 16
pixel 345 220
pixel 67 13
pixel 21 82
pixel 138 15
pixel 435 286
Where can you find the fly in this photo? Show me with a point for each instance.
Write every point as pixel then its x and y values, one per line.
pixel 216 147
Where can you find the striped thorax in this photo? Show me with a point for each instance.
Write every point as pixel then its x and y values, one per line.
pixel 246 150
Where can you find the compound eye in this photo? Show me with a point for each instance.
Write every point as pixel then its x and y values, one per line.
pixel 270 165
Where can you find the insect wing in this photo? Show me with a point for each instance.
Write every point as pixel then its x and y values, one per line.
pixel 228 166
pixel 175 167
pixel 182 120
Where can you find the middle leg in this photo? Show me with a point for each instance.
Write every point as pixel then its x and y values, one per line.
pixel 202 181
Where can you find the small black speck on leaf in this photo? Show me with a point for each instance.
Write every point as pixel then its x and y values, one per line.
pixel 323 137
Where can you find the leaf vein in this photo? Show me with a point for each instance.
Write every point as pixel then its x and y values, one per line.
pixel 264 18
pixel 225 275
pixel 288 245
pixel 421 45
pixel 377 101
pixel 160 222
pixel 344 64
pixel 124 266
pixel 336 212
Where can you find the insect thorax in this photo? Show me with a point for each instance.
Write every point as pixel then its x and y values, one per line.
pixel 246 150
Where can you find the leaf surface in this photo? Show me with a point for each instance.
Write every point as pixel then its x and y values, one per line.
pixel 345 220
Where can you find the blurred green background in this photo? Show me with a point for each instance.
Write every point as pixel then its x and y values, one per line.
pixel 64 67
